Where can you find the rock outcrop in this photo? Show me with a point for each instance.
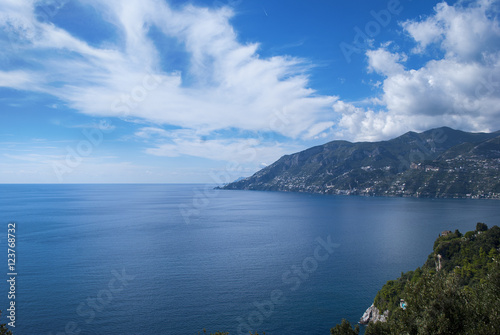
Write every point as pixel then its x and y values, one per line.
pixel 372 314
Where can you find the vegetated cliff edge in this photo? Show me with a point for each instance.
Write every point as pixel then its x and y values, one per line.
pixel 438 163
pixel 457 291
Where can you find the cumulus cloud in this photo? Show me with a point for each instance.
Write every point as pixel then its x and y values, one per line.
pixel 460 89
pixel 385 62
pixel 466 33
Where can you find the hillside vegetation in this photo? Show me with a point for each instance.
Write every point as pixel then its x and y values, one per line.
pixel 439 163
pixel 457 291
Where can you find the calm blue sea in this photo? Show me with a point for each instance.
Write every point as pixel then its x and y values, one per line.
pixel 174 259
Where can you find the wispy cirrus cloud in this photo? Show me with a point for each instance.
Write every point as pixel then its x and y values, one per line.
pixel 224 84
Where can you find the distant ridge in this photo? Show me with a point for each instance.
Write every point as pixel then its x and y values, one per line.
pixel 438 163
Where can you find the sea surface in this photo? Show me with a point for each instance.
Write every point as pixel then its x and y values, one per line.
pixel 175 259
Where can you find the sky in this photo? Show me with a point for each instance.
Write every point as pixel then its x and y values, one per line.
pixel 168 91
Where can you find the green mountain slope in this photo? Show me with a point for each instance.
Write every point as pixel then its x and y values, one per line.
pixel 440 162
pixel 457 291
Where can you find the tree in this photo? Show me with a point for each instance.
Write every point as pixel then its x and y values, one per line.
pixel 436 305
pixel 3 328
pixel 462 298
pixel 378 328
pixel 481 226
pixel 344 328
pixel 484 304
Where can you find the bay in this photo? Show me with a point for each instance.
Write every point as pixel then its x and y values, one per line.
pixel 174 259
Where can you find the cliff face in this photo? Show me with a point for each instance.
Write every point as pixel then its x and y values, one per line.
pixel 437 163
pixel 372 314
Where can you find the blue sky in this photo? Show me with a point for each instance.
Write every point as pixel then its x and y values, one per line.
pixel 165 91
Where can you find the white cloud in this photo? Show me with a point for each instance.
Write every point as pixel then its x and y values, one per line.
pixel 462 32
pixel 460 89
pixel 184 142
pixel 229 84
pixel 362 124
pixel 226 85
pixel 148 132
pixel 17 79
pixel 385 62
pixel 320 130
pixel 424 32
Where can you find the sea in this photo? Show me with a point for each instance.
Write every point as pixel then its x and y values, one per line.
pixel 178 259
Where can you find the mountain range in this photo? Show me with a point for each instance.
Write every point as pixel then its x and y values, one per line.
pixel 438 163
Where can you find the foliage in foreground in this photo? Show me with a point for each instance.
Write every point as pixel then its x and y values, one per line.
pixel 439 304
pixel 462 297
pixel 3 328
pixel 344 329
